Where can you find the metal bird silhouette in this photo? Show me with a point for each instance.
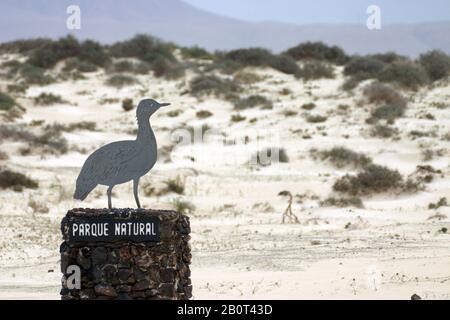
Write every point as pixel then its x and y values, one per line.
pixel 122 161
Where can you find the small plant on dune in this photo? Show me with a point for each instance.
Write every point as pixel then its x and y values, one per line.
pixel 253 101
pixel 441 203
pixel 308 106
pixel 207 84
pixel 436 63
pixel 382 93
pixel 342 202
pixel 237 118
pixel 342 157
pixel 3 156
pixel 388 112
pixel 120 81
pixel 127 104
pixel 247 77
pixel 313 70
pixel 363 68
pixel 196 52
pixel 203 114
pixel 373 179
pixel 75 64
pixel 383 131
pixel 47 99
pixel 33 75
pixel 16 180
pixel 176 185
pixel 316 119
pixel 6 102
pixel 182 206
pixel 318 51
pixel 407 74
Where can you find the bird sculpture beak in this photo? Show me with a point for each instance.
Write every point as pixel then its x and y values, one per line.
pixel 164 104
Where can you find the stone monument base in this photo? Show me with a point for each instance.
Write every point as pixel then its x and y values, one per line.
pixel 127 265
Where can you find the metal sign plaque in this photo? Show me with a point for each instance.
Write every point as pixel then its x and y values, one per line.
pixel 114 229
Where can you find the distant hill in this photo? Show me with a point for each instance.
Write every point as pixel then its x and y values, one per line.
pixel 177 21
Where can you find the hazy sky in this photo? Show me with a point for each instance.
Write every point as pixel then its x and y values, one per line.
pixel 328 11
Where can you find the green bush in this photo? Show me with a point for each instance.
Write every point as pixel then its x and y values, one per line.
pixel 47 99
pixel 388 112
pixel 250 57
pixel 195 52
pixel 209 84
pixel 127 104
pixel 436 64
pixel 94 53
pixel 16 181
pixel 342 202
pixel 383 131
pixel 144 47
pixel 389 57
pixel 24 46
pixel 363 67
pixel 120 81
pixel 373 179
pixel 163 67
pixel 284 64
pixel 6 102
pixel 253 101
pixel 316 119
pixel 308 106
pixel 203 114
pixel 237 118
pixel 318 51
pixel 34 75
pixel 407 74
pixel 312 70
pixel 50 53
pixel 75 64
pixel 381 93
pixel 342 157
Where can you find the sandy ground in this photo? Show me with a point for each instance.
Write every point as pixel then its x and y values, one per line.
pixel 392 249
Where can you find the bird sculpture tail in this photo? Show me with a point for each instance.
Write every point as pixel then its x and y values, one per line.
pixel 81 192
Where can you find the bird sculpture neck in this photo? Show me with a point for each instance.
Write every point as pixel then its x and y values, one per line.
pixel 145 133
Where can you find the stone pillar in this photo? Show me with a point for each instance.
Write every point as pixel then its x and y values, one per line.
pixel 125 267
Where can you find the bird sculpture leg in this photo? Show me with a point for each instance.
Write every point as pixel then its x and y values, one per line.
pixel 136 192
pixel 109 197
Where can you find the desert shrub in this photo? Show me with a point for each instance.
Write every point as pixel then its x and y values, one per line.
pixel 342 202
pixel 6 102
pixel 316 118
pixel 50 140
pixel 250 57
pixel 247 77
pixel 312 70
pixel 436 64
pixel 264 157
pixel 20 87
pixel 363 67
pixel 144 47
pixel 16 180
pixel 383 131
pixel 318 51
pixel 23 46
pixel 176 185
pixel 94 53
pixel 342 157
pixel 373 179
pixel 389 57
pixel 381 93
pixel 284 64
pixel 82 125
pixel 253 101
pixel 182 206
pixel 3 156
pixel 127 104
pixel 195 52
pixel 255 57
pixel 407 74
pixel 308 106
pixel 209 84
pixel 47 55
pixel 47 99
pixel 79 65
pixel 120 81
pixel 123 66
pixel 163 67
pixel 237 118
pixel 34 75
pixel 388 112
pixel 290 113
pixel 203 114
pixel 441 203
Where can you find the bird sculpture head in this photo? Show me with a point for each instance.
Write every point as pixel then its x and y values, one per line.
pixel 147 107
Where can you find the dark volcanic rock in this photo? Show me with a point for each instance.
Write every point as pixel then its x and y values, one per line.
pixel 123 269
